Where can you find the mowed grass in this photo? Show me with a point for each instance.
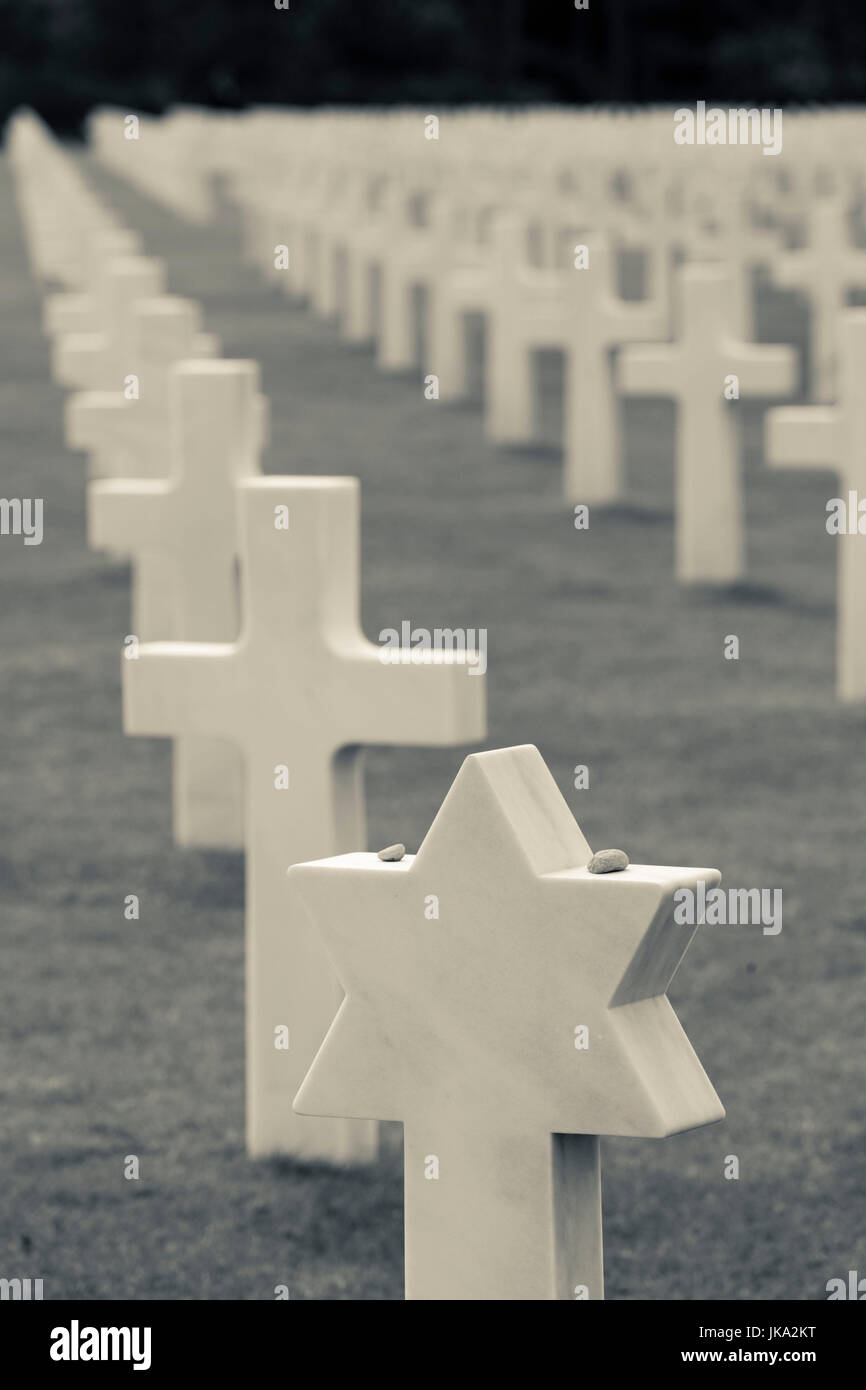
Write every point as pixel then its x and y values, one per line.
pixel 125 1037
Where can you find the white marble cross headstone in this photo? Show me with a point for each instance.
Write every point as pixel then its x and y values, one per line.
pixel 300 691
pixel 695 371
pixel 602 322
pixel 835 437
pixel 578 310
pixel 341 230
pixel 98 359
pixel 126 434
pixel 418 256
pixel 181 533
pixel 469 285
pixel 826 270
pixel 129 436
pixel 509 1007
pixel 79 311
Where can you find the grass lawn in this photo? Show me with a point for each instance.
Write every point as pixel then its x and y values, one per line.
pixel 126 1037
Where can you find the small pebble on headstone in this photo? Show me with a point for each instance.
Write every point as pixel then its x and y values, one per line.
pixel 392 853
pixel 608 861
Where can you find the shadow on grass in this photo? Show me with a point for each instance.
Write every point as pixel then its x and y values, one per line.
pixel 112 574
pixel 634 513
pixel 759 596
pixel 553 452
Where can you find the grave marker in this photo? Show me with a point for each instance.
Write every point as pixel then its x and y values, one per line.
pixel 181 532
pixel 128 437
pixel 578 311
pixel 835 437
pixel 465 1027
pixel 79 311
pixel 825 271
pixel 300 692
pixel 99 359
pixel 692 371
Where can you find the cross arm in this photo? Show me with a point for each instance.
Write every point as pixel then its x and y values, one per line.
pixel 177 688
pixel 77 357
pixel 432 702
pixel 647 369
pixel 67 313
pixel 802 437
pixel 763 370
pixel 634 323
pixel 96 420
pixel 128 515
pixel 793 270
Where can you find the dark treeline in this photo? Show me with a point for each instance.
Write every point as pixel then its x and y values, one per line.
pixel 65 56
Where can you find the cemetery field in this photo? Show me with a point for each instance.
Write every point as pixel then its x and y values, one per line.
pixel 125 1037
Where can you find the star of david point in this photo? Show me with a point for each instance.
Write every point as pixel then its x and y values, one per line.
pixel 483 1000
